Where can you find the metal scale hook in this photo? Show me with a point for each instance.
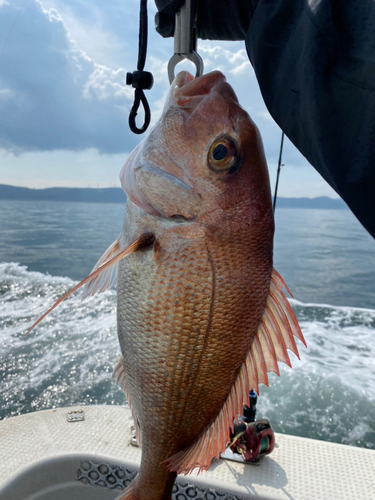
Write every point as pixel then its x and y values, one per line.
pixel 185 40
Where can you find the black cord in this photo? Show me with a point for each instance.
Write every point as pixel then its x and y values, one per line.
pixel 140 80
pixel 143 28
pixel 278 172
pixel 139 96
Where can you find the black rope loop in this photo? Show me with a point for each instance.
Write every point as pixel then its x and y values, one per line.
pixel 140 80
pixel 139 97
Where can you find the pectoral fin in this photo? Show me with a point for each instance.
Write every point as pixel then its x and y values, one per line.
pixel 106 279
pixel 275 335
pixel 144 240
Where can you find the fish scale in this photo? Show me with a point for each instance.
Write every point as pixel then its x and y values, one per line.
pixel 169 341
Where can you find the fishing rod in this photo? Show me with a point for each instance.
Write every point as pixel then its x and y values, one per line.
pixel 278 172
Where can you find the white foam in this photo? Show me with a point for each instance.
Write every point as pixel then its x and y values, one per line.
pixel 73 349
pixel 340 342
pixel 68 359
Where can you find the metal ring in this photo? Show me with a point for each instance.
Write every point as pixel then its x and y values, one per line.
pixel 191 56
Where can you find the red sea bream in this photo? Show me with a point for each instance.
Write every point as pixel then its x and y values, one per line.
pixel 201 313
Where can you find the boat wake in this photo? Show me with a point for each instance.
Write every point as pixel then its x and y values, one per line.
pixel 69 358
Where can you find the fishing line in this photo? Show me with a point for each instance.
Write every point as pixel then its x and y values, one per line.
pixel 278 172
pixel 11 28
pixel 140 80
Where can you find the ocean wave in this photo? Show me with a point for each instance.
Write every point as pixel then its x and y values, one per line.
pixel 70 354
pixel 297 303
pixel 340 341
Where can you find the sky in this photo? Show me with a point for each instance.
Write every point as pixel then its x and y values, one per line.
pixel 64 104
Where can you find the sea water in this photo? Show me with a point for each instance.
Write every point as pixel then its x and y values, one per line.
pixel 325 256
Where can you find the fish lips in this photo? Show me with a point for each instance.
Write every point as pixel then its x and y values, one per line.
pixel 188 92
pixel 159 193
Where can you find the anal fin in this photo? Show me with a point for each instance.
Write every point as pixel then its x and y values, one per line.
pixel 130 492
pixel 274 337
pixel 119 377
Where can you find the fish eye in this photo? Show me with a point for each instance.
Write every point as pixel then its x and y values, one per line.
pixel 222 154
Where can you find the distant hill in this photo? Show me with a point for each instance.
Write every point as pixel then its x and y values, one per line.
pixel 87 195
pixel 117 195
pixel 320 202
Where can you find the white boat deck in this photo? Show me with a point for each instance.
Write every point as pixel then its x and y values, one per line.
pixel 298 469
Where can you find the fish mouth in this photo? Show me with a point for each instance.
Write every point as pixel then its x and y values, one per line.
pixel 159 193
pixel 188 86
pixel 188 92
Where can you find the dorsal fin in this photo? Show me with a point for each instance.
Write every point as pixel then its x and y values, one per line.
pixel 275 335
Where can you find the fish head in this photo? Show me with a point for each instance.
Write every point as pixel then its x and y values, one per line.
pixel 203 160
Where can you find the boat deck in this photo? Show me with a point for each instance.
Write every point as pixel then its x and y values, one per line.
pixel 97 451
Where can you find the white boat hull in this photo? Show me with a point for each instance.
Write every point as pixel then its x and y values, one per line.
pixel 45 457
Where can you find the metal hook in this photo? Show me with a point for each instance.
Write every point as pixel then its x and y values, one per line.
pixel 185 41
pixel 176 58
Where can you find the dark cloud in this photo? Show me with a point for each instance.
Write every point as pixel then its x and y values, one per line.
pixel 52 95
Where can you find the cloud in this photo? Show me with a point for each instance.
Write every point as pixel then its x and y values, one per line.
pixel 106 84
pixel 233 61
pixel 159 70
pixel 62 86
pixel 52 94
pixel 265 115
pixel 40 169
pixel 217 52
pixel 241 69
